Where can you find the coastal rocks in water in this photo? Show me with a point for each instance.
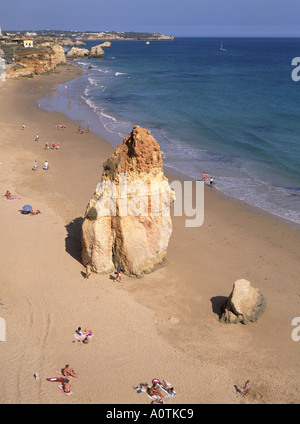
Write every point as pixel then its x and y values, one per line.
pixel 126 223
pixel 96 51
pixel 106 44
pixel 77 53
pixel 245 304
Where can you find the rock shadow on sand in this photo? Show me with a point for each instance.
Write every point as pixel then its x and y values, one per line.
pixel 218 303
pixel 73 239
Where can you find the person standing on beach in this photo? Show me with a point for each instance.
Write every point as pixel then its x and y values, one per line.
pixel 118 275
pixel 245 388
pixel 88 271
pixel 35 166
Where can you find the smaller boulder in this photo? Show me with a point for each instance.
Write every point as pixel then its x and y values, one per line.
pixel 245 304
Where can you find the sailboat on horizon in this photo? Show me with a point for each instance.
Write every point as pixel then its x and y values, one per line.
pixel 221 48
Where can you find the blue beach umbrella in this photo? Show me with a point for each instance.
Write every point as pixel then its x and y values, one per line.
pixel 27 208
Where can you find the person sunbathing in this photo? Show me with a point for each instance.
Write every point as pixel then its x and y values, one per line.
pixel 88 332
pixel 10 196
pixel 155 390
pixel 35 213
pixel 167 387
pixel 69 372
pixel 66 386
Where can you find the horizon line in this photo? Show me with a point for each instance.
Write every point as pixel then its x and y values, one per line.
pixel 169 35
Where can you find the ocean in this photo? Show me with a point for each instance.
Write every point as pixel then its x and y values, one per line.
pixel 232 113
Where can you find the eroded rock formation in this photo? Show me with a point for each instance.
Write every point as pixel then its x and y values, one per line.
pixel 97 51
pixel 127 221
pixel 78 53
pixel 245 304
pixel 36 61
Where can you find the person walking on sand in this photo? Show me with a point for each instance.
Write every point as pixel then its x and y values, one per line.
pixel 46 166
pixel 245 388
pixel 118 275
pixel 35 166
pixel 88 271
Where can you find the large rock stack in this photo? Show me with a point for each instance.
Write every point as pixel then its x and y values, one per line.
pixel 127 222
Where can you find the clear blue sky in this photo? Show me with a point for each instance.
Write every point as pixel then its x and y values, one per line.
pixel 170 17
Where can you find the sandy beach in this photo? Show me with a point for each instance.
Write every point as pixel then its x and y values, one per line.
pixel 165 325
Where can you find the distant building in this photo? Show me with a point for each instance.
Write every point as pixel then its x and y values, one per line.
pixel 28 43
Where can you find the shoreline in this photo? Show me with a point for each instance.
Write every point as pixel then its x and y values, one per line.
pixel 46 300
pixel 115 139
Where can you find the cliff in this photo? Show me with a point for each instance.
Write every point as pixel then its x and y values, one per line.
pixel 34 61
pixel 127 223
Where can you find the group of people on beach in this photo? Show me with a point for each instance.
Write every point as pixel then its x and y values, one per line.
pixel 158 391
pixel 212 181
pixel 53 146
pixel 8 195
pixel 80 130
pixel 60 126
pixel 45 167
pixel 68 372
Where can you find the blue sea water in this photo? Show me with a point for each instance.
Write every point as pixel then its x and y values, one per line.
pixel 233 114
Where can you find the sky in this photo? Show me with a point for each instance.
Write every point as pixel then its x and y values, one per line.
pixel 214 18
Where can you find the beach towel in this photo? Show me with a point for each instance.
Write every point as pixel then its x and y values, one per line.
pixel 57 379
pixel 11 198
pixel 62 390
pixel 168 394
pixel 154 397
pixel 82 336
